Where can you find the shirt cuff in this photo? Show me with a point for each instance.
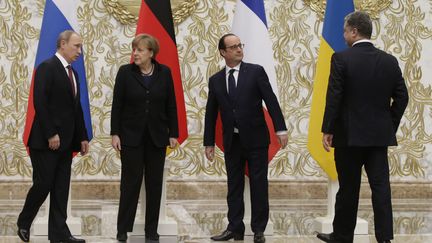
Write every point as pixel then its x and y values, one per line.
pixel 284 132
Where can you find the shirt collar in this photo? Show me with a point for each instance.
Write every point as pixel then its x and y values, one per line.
pixel 62 60
pixel 362 41
pixel 237 68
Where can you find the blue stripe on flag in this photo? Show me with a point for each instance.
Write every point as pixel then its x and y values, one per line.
pixel 336 10
pixel 53 23
pixel 258 8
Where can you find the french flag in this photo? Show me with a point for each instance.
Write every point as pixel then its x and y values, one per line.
pixel 59 15
pixel 250 25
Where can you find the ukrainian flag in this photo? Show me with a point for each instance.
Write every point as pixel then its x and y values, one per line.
pixel 331 41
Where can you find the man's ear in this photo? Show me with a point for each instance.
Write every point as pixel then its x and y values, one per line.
pixel 222 52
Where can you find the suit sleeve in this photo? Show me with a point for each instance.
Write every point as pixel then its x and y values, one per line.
pixel 41 94
pixel 271 101
pixel 211 113
pixel 171 107
pixel 335 90
pixel 400 98
pixel 117 103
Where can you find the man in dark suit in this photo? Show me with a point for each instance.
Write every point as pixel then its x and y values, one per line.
pixel 58 130
pixel 237 92
pixel 366 98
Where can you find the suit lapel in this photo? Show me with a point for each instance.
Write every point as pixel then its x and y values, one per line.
pixel 223 83
pixel 155 77
pixel 240 79
pixel 65 76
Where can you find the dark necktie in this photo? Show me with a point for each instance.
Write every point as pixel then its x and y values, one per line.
pixel 70 74
pixel 231 85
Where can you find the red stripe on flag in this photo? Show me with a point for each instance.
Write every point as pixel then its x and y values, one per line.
pixel 274 143
pixel 148 23
pixel 30 113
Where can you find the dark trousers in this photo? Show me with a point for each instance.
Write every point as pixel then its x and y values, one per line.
pixel 349 163
pixel 145 160
pixel 235 162
pixel 51 174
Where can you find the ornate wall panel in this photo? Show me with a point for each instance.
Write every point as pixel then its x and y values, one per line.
pixel 401 27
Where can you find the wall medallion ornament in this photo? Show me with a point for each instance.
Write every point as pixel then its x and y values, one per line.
pixel 126 11
pixel 373 7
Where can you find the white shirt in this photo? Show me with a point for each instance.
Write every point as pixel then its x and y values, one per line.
pixel 361 41
pixel 65 64
pixel 235 74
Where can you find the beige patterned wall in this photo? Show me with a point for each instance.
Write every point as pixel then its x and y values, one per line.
pixel 402 27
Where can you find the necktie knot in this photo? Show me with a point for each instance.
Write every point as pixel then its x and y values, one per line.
pixel 231 72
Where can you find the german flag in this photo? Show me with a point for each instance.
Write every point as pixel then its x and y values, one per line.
pixel 155 18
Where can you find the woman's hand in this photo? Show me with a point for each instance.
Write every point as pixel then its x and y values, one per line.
pixel 173 143
pixel 115 142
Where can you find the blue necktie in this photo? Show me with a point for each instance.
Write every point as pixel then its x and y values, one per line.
pixel 231 85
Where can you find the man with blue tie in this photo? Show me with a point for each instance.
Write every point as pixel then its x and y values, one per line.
pixel 237 92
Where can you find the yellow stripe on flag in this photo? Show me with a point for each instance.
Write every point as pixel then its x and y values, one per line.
pixel 325 159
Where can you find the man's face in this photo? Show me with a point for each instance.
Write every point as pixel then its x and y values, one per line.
pixel 71 49
pixel 233 53
pixel 349 34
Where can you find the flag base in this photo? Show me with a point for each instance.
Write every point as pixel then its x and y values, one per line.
pixel 166 227
pixel 248 230
pixel 40 226
pixel 325 225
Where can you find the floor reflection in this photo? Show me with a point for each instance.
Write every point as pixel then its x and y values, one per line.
pixel 198 220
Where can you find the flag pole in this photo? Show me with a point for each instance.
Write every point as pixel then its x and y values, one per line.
pixel 166 226
pixel 325 224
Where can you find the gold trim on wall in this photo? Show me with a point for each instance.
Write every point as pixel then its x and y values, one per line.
pixel 373 7
pixel 127 11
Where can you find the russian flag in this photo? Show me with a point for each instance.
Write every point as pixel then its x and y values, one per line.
pixel 59 15
pixel 250 25
pixel 332 41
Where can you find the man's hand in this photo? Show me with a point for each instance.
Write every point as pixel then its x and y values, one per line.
pixel 209 152
pixel 283 140
pixel 115 142
pixel 54 142
pixel 84 147
pixel 327 141
pixel 173 143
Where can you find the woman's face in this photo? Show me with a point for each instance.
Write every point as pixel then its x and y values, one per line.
pixel 142 54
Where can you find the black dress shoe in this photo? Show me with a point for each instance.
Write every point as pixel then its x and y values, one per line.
pixel 24 235
pixel 122 236
pixel 71 239
pixel 228 235
pixel 384 241
pixel 259 237
pixel 153 237
pixel 328 238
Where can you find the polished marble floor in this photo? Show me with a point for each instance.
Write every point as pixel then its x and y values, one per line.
pixel 198 220
pixel 272 239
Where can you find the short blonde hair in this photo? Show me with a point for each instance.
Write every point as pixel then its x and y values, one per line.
pixel 149 41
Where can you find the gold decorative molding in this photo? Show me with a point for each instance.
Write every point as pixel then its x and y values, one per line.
pixel 373 7
pixel 127 11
